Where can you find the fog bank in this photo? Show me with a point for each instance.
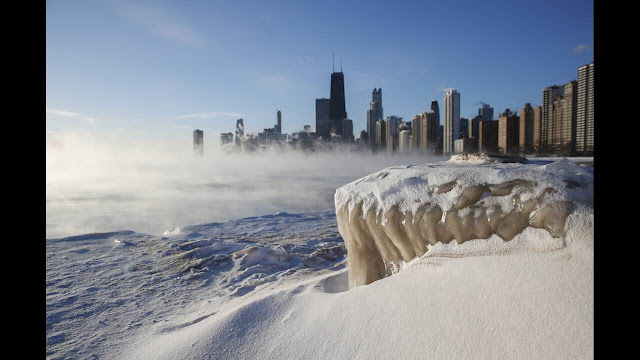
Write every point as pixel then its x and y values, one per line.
pixel 98 184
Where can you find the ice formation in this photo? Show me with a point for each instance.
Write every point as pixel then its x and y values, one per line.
pixel 391 217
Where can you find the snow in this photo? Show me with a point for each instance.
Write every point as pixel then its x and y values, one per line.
pixel 275 286
pixel 395 215
pixel 411 186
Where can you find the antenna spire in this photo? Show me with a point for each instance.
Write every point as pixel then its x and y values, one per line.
pixel 333 61
pixel 340 63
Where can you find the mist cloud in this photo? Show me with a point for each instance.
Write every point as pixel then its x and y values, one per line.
pixel 96 184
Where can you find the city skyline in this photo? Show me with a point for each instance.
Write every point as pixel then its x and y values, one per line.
pixel 93 86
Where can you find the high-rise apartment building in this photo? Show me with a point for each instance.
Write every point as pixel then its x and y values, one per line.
pixel 381 134
pixel 347 130
pixel 436 109
pixel 267 136
pixel 451 120
pixel 364 138
pixel 430 128
pixel 239 132
pixel 416 131
pixel 337 109
pixel 404 143
pixel 473 126
pixel 585 116
pixel 526 129
pixel 568 140
pixel 485 112
pixel 198 142
pixel 464 128
pixel 508 133
pixel 393 122
pixel 323 125
pixel 374 114
pixel 226 138
pixel 537 127
pixel 555 126
pixel 278 127
pixel 549 95
pixel 488 136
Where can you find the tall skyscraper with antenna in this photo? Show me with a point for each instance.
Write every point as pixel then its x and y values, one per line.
pixel 337 108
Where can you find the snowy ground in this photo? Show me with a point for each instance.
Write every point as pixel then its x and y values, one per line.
pixel 275 286
pixel 104 288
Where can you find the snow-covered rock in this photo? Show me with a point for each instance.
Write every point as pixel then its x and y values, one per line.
pixel 395 215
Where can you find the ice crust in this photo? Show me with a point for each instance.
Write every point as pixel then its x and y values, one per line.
pixel 394 215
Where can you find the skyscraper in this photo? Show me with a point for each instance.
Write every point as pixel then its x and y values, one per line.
pixel 451 120
pixel 337 109
pixel 239 132
pixel 436 110
pixel 381 134
pixel 464 128
pixel 393 122
pixel 323 125
pixel 508 133
pixel 347 130
pixel 404 137
pixel 430 128
pixel 198 142
pixel 549 95
pixel 537 127
pixel 226 138
pixel 486 112
pixel 416 130
pixel 364 137
pixel 556 119
pixel 279 124
pixel 374 114
pixel 585 116
pixel 473 126
pixel 488 136
pixel 568 143
pixel 526 129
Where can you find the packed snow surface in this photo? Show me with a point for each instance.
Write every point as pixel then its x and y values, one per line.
pixel 275 287
pixel 393 216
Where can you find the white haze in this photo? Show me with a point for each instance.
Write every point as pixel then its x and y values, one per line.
pixel 99 185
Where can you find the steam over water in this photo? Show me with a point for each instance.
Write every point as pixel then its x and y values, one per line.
pixel 96 185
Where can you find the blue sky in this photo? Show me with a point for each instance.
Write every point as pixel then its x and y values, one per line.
pixel 164 68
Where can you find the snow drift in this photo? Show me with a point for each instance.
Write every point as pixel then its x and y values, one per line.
pixel 394 215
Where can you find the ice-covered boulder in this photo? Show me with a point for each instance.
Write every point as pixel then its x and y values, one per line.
pixel 394 215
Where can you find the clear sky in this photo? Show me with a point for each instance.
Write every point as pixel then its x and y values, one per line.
pixel 165 68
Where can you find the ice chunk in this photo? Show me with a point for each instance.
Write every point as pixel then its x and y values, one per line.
pixel 389 220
